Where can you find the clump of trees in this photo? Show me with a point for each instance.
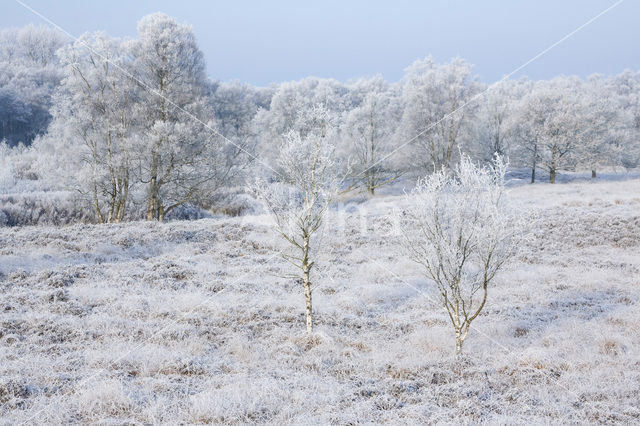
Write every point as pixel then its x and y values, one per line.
pixel 136 119
pixel 93 124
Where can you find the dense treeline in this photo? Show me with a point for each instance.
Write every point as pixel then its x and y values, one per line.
pixel 134 128
pixel 29 75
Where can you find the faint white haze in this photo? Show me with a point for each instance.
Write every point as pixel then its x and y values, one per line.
pixel 287 213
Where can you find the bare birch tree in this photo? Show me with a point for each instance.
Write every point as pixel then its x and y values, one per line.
pixel 298 201
pixel 459 228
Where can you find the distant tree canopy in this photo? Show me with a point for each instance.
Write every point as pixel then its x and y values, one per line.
pixel 142 130
pixel 29 74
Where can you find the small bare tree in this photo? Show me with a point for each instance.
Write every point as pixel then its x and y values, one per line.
pixel 300 198
pixel 460 229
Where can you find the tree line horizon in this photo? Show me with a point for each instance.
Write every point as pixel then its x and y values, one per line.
pixel 138 130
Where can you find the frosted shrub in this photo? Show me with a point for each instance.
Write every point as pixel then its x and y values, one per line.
pixel 43 208
pixel 459 228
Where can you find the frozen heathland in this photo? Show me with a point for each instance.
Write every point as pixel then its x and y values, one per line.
pixel 198 322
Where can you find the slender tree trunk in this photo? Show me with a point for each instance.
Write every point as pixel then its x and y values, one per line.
pixel 152 208
pixel 452 142
pixel 112 203
pixel 371 173
pixel 306 270
pixel 96 204
pixel 593 174
pixel 153 200
pixel 459 341
pixel 124 195
pixel 533 172
pixel 307 296
pixel 155 210
pixel 553 166
pixel 533 165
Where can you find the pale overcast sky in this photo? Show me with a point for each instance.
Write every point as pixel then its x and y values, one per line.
pixel 260 42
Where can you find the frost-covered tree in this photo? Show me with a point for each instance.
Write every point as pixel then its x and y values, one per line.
pixel 496 121
pixel 95 119
pixel 433 119
pixel 599 113
pixel 39 44
pixel 551 124
pixel 29 75
pixel 306 182
pixel 235 105
pixel 181 155
pixel 368 133
pixel 526 150
pixel 9 47
pixel 626 86
pixel 139 114
pixel 289 101
pixel 460 229
pixel 15 115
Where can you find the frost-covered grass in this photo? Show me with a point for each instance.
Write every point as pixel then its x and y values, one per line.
pixel 195 322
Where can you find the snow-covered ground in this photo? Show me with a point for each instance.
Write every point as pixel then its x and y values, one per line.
pixel 197 322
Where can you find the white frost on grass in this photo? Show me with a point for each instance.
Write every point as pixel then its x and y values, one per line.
pixel 194 322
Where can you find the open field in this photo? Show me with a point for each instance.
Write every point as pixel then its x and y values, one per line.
pixel 197 322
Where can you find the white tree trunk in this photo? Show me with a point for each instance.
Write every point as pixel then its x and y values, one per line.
pixel 307 296
pixel 306 280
